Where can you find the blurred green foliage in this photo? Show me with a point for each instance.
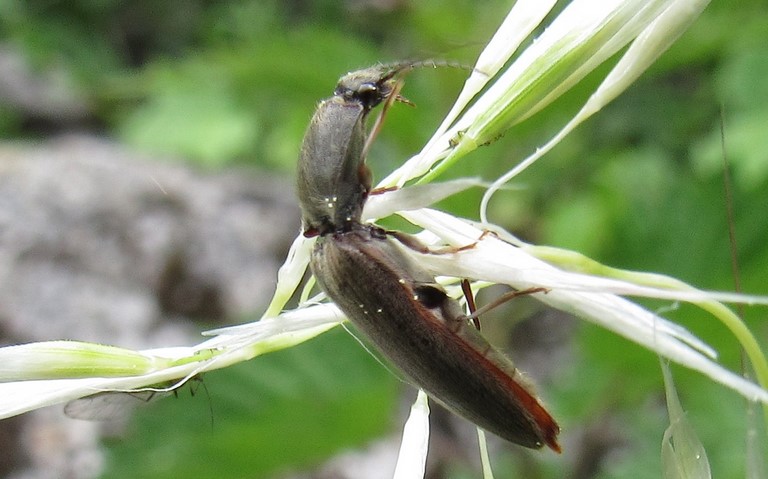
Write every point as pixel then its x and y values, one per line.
pixel 285 411
pixel 639 186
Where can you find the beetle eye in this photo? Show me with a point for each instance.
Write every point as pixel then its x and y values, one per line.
pixel 368 94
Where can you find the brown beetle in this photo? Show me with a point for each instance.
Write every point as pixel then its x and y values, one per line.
pixel 400 308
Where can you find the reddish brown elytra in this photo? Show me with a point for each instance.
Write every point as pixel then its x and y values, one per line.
pixel 409 318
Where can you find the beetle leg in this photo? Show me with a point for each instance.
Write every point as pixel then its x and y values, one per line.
pixel 386 189
pixel 504 298
pixel 413 243
pixel 467 289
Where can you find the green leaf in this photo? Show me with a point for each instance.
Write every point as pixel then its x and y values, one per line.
pixel 191 113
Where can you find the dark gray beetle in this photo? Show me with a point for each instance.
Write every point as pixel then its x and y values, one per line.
pixel 333 180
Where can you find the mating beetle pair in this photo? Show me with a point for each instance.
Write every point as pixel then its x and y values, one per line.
pixel 389 298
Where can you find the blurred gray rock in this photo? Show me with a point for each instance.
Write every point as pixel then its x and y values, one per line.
pixel 48 95
pixel 100 244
